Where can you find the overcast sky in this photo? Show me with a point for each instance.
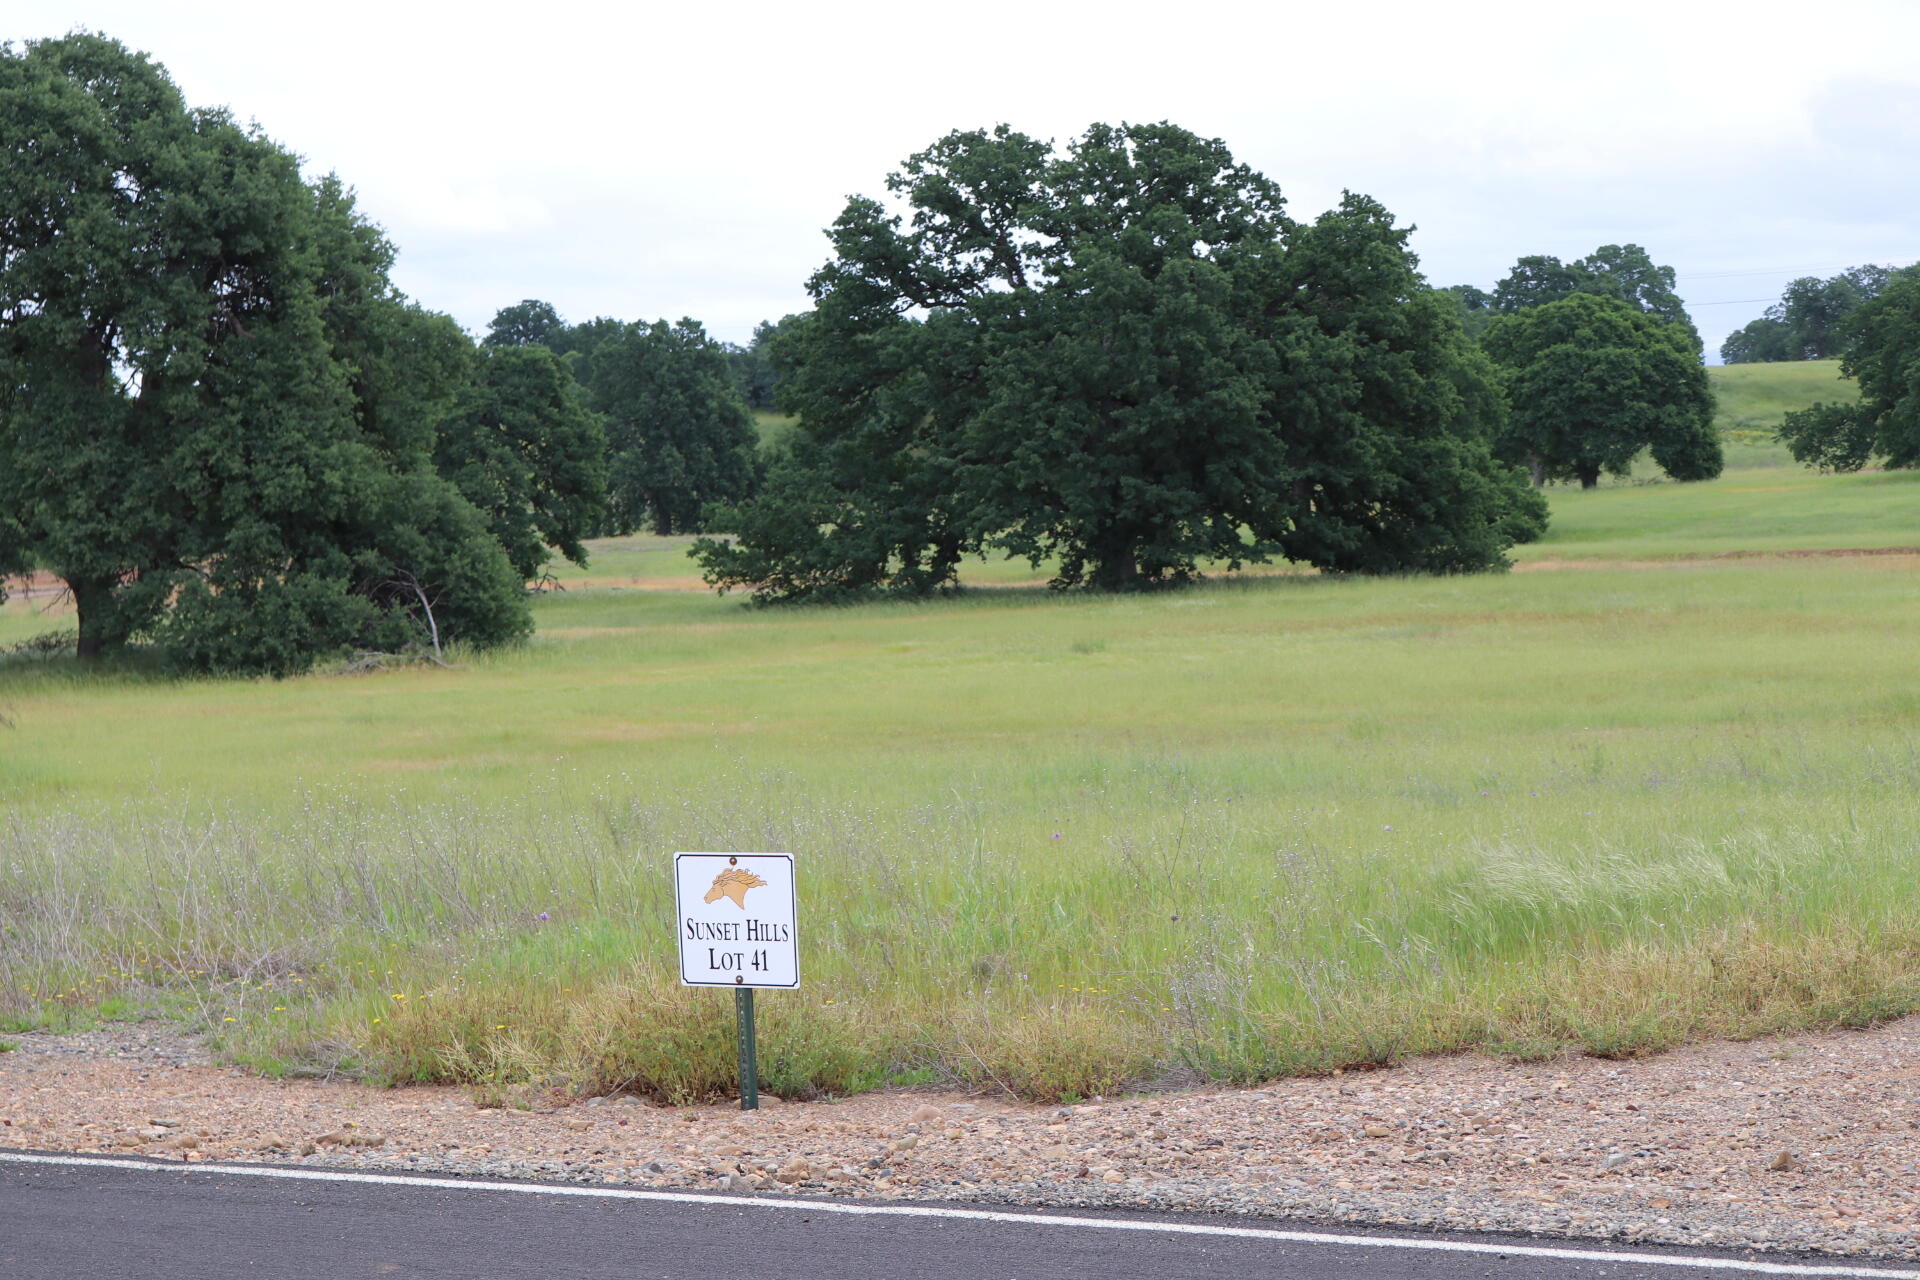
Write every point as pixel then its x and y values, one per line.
pixel 645 160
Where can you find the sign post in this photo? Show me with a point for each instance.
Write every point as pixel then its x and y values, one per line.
pixel 743 1032
pixel 738 928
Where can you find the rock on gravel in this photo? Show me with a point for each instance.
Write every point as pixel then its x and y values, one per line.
pixel 1807 1143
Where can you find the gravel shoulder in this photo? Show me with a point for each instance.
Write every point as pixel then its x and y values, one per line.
pixel 1801 1143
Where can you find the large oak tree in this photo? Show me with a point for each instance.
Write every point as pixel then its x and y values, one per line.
pixel 216 414
pixel 1592 381
pixel 1123 356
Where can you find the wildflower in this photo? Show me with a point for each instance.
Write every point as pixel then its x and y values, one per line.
pixel 543 916
pixel 229 1019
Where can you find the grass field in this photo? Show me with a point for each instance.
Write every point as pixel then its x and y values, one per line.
pixel 1773 510
pixel 1750 400
pixel 772 427
pixel 1660 784
pixel 1754 397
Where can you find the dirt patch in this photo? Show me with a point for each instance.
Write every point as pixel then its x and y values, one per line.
pixel 1810 1142
pixel 1820 553
pixel 598 583
pixel 1902 557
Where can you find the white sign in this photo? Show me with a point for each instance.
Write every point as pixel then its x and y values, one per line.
pixel 736 919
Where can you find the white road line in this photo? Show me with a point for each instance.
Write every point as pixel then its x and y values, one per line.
pixel 1743 1266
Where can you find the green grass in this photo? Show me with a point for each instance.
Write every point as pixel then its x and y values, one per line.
pixel 1658 785
pixel 1759 510
pixel 1754 397
pixel 772 427
pixel 1055 844
pixel 1771 510
pixel 634 560
pixel 1750 400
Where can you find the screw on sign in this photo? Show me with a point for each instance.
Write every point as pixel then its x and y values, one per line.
pixel 738 927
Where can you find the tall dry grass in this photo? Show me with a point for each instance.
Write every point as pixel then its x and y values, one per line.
pixel 518 949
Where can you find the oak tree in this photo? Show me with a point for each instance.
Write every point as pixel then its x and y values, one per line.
pixel 527 323
pixel 679 436
pixel 1124 357
pixel 1623 271
pixel 216 414
pixel 754 370
pixel 1882 345
pixel 521 445
pixel 1810 320
pixel 1591 381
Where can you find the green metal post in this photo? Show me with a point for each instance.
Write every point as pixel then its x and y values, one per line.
pixel 749 1068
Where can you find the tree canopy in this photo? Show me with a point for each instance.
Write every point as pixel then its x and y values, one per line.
pixel 1809 321
pixel 679 435
pixel 1475 307
pixel 1625 272
pixel 670 408
pixel 754 370
pixel 527 323
pixel 1592 380
pixel 1882 344
pixel 522 447
pixel 1125 357
pixel 216 414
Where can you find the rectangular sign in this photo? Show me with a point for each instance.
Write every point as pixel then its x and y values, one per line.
pixel 735 916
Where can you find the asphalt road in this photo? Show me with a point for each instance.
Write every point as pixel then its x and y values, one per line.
pixel 99 1221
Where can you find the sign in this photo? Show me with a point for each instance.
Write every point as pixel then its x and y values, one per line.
pixel 736 920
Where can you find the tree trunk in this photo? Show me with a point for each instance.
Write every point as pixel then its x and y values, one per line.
pixel 662 516
pixel 93 602
pixel 944 556
pixel 1589 476
pixel 1116 566
pixel 1537 468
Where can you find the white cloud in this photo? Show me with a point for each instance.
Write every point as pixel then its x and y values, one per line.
pixel 647 160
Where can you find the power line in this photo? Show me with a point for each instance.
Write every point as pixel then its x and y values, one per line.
pixel 1765 271
pixel 1734 302
pixel 1781 271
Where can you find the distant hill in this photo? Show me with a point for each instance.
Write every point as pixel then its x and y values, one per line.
pixel 1751 399
pixel 1754 397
